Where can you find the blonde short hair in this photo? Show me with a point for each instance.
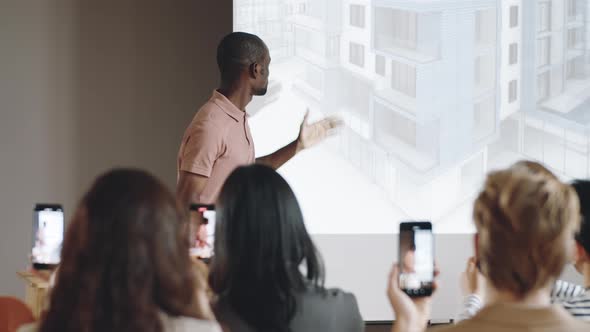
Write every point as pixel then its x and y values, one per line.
pixel 525 221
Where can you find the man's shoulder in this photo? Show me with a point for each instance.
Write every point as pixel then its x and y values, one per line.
pixel 209 118
pixel 212 112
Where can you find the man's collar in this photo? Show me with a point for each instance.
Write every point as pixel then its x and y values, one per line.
pixel 227 106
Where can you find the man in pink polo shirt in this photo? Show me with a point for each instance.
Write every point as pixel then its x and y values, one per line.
pixel 218 139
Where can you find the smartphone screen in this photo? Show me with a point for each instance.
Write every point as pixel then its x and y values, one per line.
pixel 48 234
pixel 416 258
pixel 202 230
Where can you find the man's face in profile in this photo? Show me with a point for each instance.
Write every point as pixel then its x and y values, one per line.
pixel 262 83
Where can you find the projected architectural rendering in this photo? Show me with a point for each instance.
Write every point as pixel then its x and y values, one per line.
pixel 434 94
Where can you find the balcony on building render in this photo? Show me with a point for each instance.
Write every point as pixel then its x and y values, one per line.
pixel 320 49
pixel 413 36
pixel 575 20
pixel 573 102
pixel 414 145
pixel 397 99
pixel 322 16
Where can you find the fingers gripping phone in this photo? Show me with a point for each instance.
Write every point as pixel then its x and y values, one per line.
pixel 47 236
pixel 416 258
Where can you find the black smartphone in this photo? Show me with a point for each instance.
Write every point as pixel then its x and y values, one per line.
pixel 202 230
pixel 416 258
pixel 47 235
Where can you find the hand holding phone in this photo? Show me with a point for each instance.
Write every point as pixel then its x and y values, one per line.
pixel 416 258
pixel 411 313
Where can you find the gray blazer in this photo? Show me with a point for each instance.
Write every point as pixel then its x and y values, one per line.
pixel 335 311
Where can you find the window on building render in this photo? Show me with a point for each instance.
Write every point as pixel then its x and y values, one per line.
pixel 573 9
pixel 485 26
pixel 484 118
pixel 544 16
pixel 357 16
pixel 380 65
pixel 357 54
pixel 392 127
pixel 572 68
pixel 477 71
pixel 405 28
pixel 512 91
pixel 513 58
pixel 513 16
pixel 543 51
pixel 403 78
pixel 543 86
pixel 574 38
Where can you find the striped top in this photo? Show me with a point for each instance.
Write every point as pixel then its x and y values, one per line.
pixel 574 298
pixel 578 306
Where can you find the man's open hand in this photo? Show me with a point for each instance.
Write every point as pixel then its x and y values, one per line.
pixel 311 134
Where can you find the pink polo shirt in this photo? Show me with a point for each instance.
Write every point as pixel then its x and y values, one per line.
pixel 217 141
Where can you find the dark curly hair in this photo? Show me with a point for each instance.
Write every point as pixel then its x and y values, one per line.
pixel 124 260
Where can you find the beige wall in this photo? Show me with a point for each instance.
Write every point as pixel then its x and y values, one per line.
pixel 88 85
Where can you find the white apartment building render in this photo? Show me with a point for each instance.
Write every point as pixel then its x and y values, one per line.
pixel 511 58
pixel 435 93
pixel 440 65
pixel 555 123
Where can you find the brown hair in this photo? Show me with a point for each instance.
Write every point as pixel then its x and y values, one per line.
pixel 533 167
pixel 525 221
pixel 124 260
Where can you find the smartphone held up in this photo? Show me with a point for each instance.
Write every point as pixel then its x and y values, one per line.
pixel 416 258
pixel 47 236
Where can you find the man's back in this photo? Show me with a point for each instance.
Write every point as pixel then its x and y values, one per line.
pixel 217 141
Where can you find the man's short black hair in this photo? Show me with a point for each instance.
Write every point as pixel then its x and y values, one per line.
pixel 236 51
pixel 582 188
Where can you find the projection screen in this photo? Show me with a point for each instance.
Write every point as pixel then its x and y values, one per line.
pixel 434 94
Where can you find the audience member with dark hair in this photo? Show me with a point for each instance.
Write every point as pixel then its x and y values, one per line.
pixel 266 271
pixel 125 263
pixel 525 235
pixel 218 139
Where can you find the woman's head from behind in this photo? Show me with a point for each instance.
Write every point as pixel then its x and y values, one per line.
pixel 525 222
pixel 124 260
pixel 261 242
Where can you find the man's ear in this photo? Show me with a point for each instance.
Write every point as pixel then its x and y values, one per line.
pixel 256 70
pixel 252 70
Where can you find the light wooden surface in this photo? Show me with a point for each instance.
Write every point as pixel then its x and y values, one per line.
pixel 37 288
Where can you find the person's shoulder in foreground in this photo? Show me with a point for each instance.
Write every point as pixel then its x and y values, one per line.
pixel 187 324
pixel 515 317
pixel 328 310
pixel 317 310
pixel 169 324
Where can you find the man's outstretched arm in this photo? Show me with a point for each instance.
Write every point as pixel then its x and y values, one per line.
pixel 309 135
